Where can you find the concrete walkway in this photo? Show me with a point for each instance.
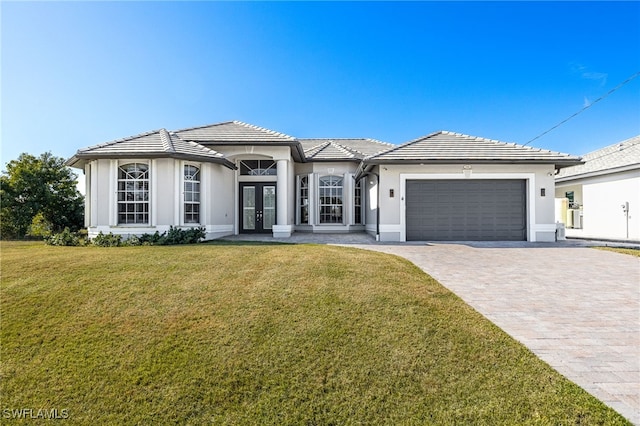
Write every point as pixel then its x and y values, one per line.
pixel 576 308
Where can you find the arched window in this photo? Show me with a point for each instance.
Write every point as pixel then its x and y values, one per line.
pixel 133 193
pixel 330 193
pixel 357 202
pixel 303 199
pixel 191 194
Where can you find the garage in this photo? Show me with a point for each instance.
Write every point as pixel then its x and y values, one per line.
pixel 466 210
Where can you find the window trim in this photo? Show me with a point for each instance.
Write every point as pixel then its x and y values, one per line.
pixel 147 191
pixel 358 185
pixel 183 194
pixel 299 199
pixel 319 199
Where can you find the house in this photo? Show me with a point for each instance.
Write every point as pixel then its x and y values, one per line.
pixel 601 198
pixel 234 177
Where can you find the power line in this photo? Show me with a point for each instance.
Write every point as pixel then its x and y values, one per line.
pixel 586 107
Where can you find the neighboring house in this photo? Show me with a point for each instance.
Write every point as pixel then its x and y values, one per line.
pixel 235 178
pixel 603 194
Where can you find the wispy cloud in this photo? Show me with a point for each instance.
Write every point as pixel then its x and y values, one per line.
pixel 586 102
pixel 598 76
pixel 586 73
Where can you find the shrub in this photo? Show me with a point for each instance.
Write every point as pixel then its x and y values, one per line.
pixel 109 240
pixel 40 227
pixel 182 236
pixel 171 237
pixel 65 238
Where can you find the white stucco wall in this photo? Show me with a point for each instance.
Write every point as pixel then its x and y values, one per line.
pixel 343 169
pixel 540 220
pixel 602 198
pixel 166 197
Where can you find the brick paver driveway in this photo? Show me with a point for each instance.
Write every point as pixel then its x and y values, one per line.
pixel 576 308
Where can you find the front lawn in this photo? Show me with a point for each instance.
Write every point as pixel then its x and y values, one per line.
pixel 624 250
pixel 261 334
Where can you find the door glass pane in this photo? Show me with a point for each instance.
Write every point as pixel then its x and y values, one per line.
pixel 269 206
pixel 249 207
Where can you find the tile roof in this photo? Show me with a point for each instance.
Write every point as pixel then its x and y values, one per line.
pixel 449 147
pixel 157 143
pixel 342 149
pixel 231 132
pixel 622 155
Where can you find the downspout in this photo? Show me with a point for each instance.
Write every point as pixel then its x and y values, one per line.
pixel 367 173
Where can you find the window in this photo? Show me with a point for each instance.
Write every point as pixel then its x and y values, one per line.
pixel 258 168
pixel 133 193
pixel 303 199
pixel 330 192
pixel 191 194
pixel 357 202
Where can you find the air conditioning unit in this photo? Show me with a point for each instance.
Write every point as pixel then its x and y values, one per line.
pixel 570 218
pixel 577 219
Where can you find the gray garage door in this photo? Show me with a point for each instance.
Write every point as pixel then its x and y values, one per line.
pixel 466 210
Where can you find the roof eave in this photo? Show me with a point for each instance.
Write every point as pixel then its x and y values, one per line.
pixel 599 173
pixel 80 159
pixel 296 147
pixel 559 163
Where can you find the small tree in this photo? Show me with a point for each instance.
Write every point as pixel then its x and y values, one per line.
pixel 39 186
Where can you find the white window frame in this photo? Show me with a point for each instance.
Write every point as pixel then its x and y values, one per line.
pixel 341 204
pixel 358 185
pixel 135 192
pixel 184 194
pixel 299 199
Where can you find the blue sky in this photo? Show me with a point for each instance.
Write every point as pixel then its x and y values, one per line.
pixel 76 74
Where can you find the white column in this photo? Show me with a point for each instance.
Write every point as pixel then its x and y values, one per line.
pixel 178 197
pixel 282 229
pixel 154 192
pixel 113 192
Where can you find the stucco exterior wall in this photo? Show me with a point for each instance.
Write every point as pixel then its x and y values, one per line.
pixel 165 198
pixel 540 220
pixel 602 198
pixel 344 169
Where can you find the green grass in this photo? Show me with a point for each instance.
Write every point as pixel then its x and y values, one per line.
pixel 623 250
pixel 261 334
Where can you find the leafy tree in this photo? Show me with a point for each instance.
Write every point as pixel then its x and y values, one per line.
pixel 42 188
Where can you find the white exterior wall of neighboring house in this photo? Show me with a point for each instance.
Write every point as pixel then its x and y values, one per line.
pixel 602 198
pixel 540 221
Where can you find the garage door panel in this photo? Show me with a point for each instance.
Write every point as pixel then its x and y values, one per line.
pixel 450 210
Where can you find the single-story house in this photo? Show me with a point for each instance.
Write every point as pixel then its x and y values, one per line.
pixel 601 198
pixel 234 177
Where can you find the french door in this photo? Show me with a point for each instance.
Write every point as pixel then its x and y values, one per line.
pixel 257 207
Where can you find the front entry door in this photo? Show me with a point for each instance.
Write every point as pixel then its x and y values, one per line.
pixel 257 207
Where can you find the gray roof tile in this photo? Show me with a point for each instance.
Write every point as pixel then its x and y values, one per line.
pixel 342 149
pixel 232 132
pixel 622 155
pixel 447 147
pixel 158 143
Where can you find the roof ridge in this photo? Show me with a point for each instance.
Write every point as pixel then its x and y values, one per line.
pixel 380 142
pixel 201 127
pixel 263 129
pixel 634 140
pixel 203 148
pixel 411 142
pixel 167 143
pixel 345 149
